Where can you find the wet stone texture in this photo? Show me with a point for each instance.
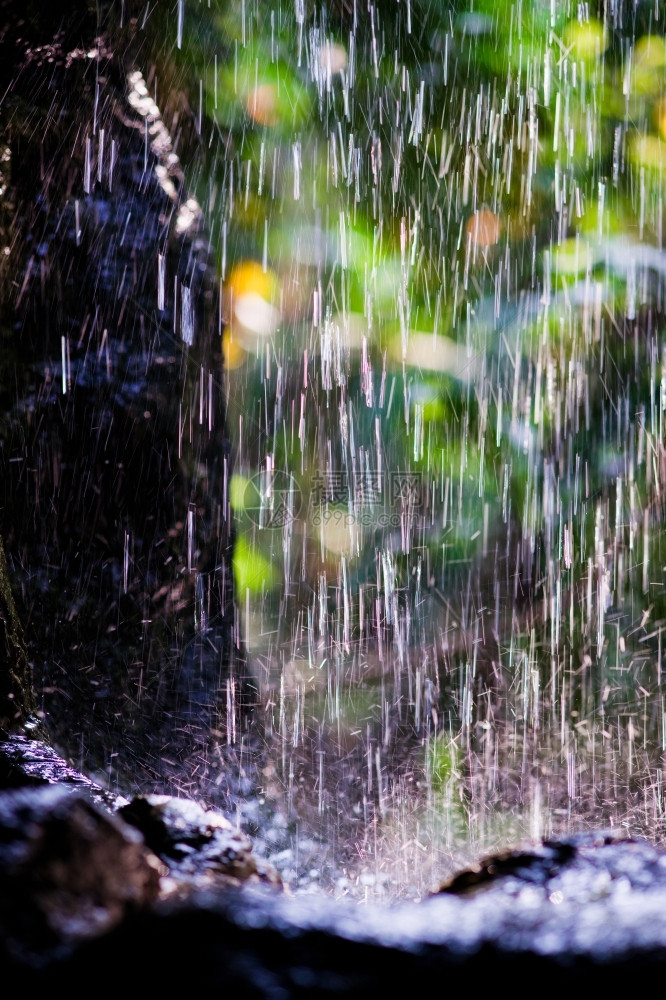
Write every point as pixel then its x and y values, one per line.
pixel 166 893
pixel 75 860
pixel 69 870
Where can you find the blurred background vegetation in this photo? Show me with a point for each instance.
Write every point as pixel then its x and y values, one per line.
pixel 438 232
pixel 439 235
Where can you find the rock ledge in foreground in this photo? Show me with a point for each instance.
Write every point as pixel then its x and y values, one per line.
pixel 179 900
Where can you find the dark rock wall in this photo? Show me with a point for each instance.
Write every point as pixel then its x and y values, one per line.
pixel 114 460
pixel 17 700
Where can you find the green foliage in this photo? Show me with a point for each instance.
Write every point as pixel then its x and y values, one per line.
pixel 453 201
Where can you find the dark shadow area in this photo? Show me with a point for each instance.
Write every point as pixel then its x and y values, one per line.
pixel 114 456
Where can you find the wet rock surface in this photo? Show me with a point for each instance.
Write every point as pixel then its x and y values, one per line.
pixel 76 860
pixel 162 887
pixel 32 762
pixel 69 870
pixel 582 868
pixel 200 847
